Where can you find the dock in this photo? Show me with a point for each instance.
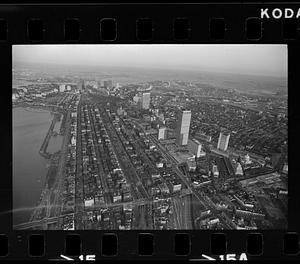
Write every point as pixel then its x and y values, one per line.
pixel 43 150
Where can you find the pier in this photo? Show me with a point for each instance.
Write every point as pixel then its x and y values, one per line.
pixel 43 149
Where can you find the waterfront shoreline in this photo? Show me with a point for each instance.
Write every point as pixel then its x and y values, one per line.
pixel 51 166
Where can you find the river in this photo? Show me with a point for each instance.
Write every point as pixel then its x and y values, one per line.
pixel 30 127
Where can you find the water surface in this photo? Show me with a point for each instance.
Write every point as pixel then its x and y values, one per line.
pixel 29 168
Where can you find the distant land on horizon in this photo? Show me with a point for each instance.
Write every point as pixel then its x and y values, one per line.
pixel 241 82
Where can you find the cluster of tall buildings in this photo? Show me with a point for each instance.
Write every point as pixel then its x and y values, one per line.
pixel 107 84
pixel 182 127
pixel 63 87
pixel 182 134
pixel 143 99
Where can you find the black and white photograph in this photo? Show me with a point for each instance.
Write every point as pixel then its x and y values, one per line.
pixel 150 137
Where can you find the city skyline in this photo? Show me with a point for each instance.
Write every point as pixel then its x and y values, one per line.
pixel 116 151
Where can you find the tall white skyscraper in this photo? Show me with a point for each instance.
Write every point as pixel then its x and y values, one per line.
pixel 223 141
pixel 145 100
pixel 183 127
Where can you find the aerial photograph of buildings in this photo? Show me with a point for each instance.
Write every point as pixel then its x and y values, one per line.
pixel 149 137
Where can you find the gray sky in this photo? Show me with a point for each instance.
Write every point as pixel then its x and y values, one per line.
pixel 244 59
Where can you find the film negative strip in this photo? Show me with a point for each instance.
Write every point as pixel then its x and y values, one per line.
pixel 149 131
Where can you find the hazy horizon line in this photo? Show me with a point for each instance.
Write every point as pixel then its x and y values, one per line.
pixel 209 70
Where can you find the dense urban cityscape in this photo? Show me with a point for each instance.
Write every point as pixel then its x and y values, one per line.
pixel 157 155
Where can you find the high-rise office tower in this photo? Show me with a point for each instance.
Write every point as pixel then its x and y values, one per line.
pixel 223 141
pixel 145 100
pixel 183 127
